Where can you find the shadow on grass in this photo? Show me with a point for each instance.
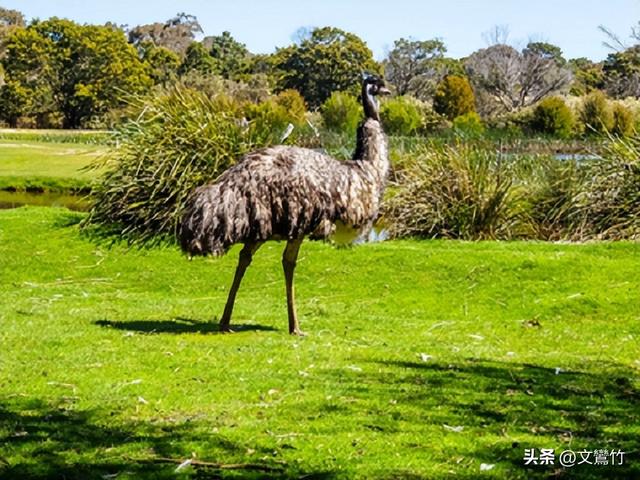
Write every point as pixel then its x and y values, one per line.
pixel 41 441
pixel 69 218
pixel 506 404
pixel 176 326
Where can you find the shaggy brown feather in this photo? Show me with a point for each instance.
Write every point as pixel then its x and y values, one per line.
pixel 285 193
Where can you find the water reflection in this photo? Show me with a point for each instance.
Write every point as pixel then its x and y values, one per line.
pixel 19 199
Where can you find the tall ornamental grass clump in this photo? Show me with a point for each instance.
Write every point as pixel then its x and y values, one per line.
pixel 609 202
pixel 550 187
pixel 454 192
pixel 471 193
pixel 174 142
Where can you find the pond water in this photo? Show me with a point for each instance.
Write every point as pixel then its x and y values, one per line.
pixel 378 233
pixel 576 156
pixel 19 199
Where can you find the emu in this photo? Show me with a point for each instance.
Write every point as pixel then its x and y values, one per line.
pixel 289 193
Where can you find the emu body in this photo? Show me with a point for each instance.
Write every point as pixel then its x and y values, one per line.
pixel 288 193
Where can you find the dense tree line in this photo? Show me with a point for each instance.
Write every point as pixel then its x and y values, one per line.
pixel 58 73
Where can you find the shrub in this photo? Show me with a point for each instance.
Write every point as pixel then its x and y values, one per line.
pixel 596 114
pixel 552 116
pixel 454 97
pixel 341 113
pixel 431 121
pixel 623 121
pixel 210 85
pixel 511 124
pixel 401 116
pixel 270 118
pixel 274 115
pixel 468 125
pixel 453 192
pixel 177 140
pixel 293 103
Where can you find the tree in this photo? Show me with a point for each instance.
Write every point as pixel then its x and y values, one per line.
pixel 176 34
pixel 614 41
pixel 231 56
pixel 14 100
pixel 329 60
pixel 29 78
pixel 80 71
pixel 454 97
pixel 622 67
pixel 162 64
pixel 9 20
pixel 546 51
pixel 198 59
pixel 513 79
pixel 415 67
pixel 587 76
pixel 622 73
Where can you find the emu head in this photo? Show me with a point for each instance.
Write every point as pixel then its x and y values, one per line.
pixel 372 86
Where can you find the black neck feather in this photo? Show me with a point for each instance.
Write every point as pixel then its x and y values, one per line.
pixel 369 103
pixel 358 154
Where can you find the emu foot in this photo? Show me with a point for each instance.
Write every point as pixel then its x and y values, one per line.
pixel 297 332
pixel 224 328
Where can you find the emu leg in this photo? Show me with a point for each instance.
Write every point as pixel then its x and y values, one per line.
pixel 289 258
pixel 246 254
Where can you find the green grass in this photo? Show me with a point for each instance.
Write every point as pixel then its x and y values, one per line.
pixel 109 362
pixel 46 166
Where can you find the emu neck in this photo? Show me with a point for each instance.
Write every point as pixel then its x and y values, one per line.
pixel 371 146
pixel 369 104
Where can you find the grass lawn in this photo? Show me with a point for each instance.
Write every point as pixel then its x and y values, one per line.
pixel 423 360
pixel 46 165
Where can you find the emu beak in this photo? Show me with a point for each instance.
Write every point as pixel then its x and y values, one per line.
pixel 384 91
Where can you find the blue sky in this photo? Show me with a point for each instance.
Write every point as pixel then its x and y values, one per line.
pixel 264 25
